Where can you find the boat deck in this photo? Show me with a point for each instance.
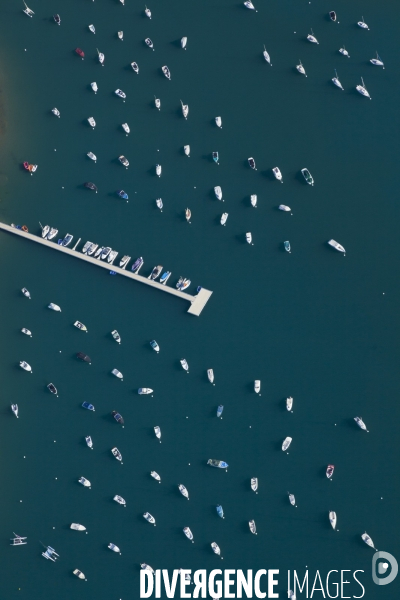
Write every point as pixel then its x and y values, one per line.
pixel 197 303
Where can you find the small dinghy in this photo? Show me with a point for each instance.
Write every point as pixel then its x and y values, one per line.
pixel 135 67
pixel 252 163
pixel 257 386
pixel 250 5
pixel 284 208
pixel 210 375
pixel 378 62
pixel 117 374
pixel 92 156
pixel 186 150
pixel 85 482
pixel 120 500
pixel 89 442
pixel 88 406
pixel 252 527
pixel 101 57
pixel 365 537
pixel 344 52
pixel 362 24
pixel 94 87
pixel 329 471
pixel 155 476
pixel 183 490
pixel 220 410
pixel 26 293
pixel 149 43
pixel 332 15
pixel 158 170
pixel 149 518
pixel 119 418
pixel 224 218
pixel 26 331
pixel 216 549
pixel 92 28
pixel 52 388
pixel 157 431
pixel 184 364
pixel 361 89
pixel 166 71
pixel 278 175
pixel 292 499
pixel 218 192
pixel 114 548
pixel 14 408
pixel 122 194
pixel 218 122
pixel 120 35
pixel 79 574
pixel 159 203
pixel 336 81
pixel 126 128
pixel 361 423
pixel 289 404
pixel 157 103
pixel 147 12
pixel 286 443
pixel 184 42
pixel 54 307
pixel 117 454
pixel 254 484
pixel 77 527
pixel 301 69
pixel 24 365
pixel 56 112
pixel 332 519
pixel 311 38
pixel 188 533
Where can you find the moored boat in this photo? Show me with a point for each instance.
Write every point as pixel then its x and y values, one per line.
pixel 184 42
pixel 120 35
pixel 120 93
pixel 289 403
pixel 267 56
pixel 85 482
pixel 91 122
pixel 149 518
pixel 336 81
pixel 286 443
pixel 301 69
pixel 123 160
pixel 137 265
pixel 29 12
pixel 378 62
pixel 210 375
pixel 157 432
pixel 284 208
pixel 311 38
pixel 126 128
pixel 252 527
pixel 155 346
pixel 216 549
pixel 119 418
pixel 149 43
pixel 80 326
pixel 26 293
pixel 166 71
pixel 249 238
pixel 158 170
pixel 329 471
pixel 155 272
pixel 120 500
pixel 24 365
pixel 92 249
pixel 254 484
pixel 215 157
pixel 142 391
pixel 122 194
pixel 337 246
pixel 117 454
pixel 52 388
pixel 363 90
pixel 124 261
pixel 101 57
pixel 219 464
pixel 147 568
pixel 159 203
pixel 77 527
pixel 112 256
pixel 67 240
pixel 92 28
pixel 220 410
pixel 94 87
pixel 361 423
pixel 114 548
pixel 164 277
pixel 218 122
pixel 18 540
pixel 80 53
pixel 183 490
pixel 250 5
pixel 362 24
pixel 147 12
pixel 52 233
pixel 88 406
pixel 278 174
pixel 117 374
pixel 257 386
pixel 184 364
pixel 89 442
pixel 56 112
pixel 252 163
pixel 186 150
pixel 155 476
pixel 218 192
pixel 365 537
pixel 332 15
pixel 90 186
pixel 307 176
pixel 344 52
pixel 332 518
pixel 14 408
pixel 224 218
pixel 220 511
pixel 79 574
pixel 185 110
pixel 188 533
pixel 188 214
pixel 292 499
pixel 287 247
pixel 157 102
pixel 84 357
pixel 26 331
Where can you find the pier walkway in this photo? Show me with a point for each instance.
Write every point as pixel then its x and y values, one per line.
pixel 197 303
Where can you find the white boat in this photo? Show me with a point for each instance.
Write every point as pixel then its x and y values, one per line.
pixel 361 423
pixel 24 365
pixel 218 192
pixel 86 247
pixel 54 307
pixel 14 408
pixel 120 500
pixel 142 391
pixel 120 35
pixel 159 203
pixel 124 261
pixel 284 208
pixel 249 238
pixel 166 71
pixel 286 443
pixel 183 42
pixel 157 431
pixel 267 56
pixel 114 548
pixel 18 540
pixel 101 57
pixel 123 160
pixel 120 93
pixel 210 375
pixel 157 102
pixel 26 293
pixel 112 256
pixel 250 5
pixel 117 454
pixel 254 484
pixel 188 534
pixel 92 157
pixel 218 122
pixel 56 112
pixel 344 52
pixel 92 249
pixel 147 12
pixel 158 170
pixel 183 491
pixel 292 499
pixel 278 174
pixel 378 62
pixel 126 128
pixel 94 87
pixel 253 200
pixel 50 554
pixel 92 122
pixel 289 403
pixel 147 568
pixel 117 374
pixel 363 90
pixel 252 526
pixel 184 364
pixel 92 28
pixel 149 518
pixel 28 11
pixel 52 233
pixel 311 38
pixel 301 69
pixel 89 442
pixel 185 110
pixel 332 519
pixel 77 527
pixel 186 150
pixel 45 230
pixel 257 386
pixel 216 548
pixel 79 574
pixel 336 81
pixel 155 476
pixel 224 218
pixel 188 214
pixel 26 331
pixel 365 537
pixel 85 482
pixel 80 326
pixel 362 24
pixel 337 246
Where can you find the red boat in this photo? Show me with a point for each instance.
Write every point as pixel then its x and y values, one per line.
pixel 80 52
pixel 329 471
pixel 26 165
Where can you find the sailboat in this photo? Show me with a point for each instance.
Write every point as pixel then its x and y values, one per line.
pixel 147 12
pixel 92 28
pixel 218 122
pixel 224 218
pixel 157 431
pixel 378 62
pixel 250 5
pixel 157 102
pixel 361 423
pixel 301 69
pixel 183 491
pixel 94 87
pixel 184 42
pixel 311 38
pixel 14 408
pixel 365 537
pixel 336 81
pixel 344 52
pixel 292 499
pixel 185 110
pixel 18 540
pixel 188 215
pixel 363 90
pixel 210 375
pixel 332 518
pixel 28 11
pixel 101 57
pixel 253 200
pixel 186 150
pixel 267 56
pixel 362 24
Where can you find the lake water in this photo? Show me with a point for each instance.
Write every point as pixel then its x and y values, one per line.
pixel 312 324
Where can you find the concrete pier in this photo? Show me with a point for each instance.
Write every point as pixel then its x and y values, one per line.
pixel 197 302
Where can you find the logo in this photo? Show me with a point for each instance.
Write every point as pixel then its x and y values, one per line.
pixel 384 568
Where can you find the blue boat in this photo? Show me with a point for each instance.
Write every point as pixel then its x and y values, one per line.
pixel 88 405
pixel 164 277
pixel 122 194
pixel 215 156
pixel 220 464
pixel 198 288
pixel 137 265
pixel 220 511
pixel 220 410
pixel 113 272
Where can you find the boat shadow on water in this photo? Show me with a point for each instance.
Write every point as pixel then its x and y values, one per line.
pixel 176 44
